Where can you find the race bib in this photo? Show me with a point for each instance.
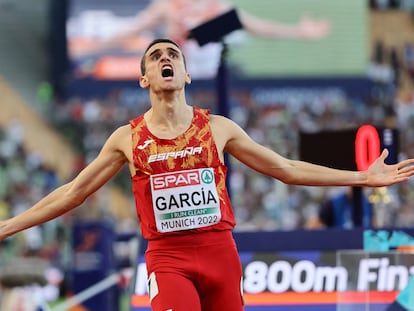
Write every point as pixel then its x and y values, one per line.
pixel 185 200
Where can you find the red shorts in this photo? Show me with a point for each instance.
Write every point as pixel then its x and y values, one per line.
pixel 197 272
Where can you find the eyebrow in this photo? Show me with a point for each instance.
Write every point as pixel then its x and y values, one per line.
pixel 169 49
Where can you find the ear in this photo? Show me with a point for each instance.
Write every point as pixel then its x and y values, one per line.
pixel 143 82
pixel 187 78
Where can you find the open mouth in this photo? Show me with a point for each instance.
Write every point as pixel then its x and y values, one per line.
pixel 167 72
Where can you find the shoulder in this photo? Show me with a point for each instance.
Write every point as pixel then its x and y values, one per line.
pixel 122 130
pixel 119 143
pixel 213 119
pixel 218 119
pixel 120 136
pixel 224 124
pixel 229 134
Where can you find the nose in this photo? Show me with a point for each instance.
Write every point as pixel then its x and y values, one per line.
pixel 165 57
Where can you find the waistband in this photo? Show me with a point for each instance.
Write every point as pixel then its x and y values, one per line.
pixel 192 239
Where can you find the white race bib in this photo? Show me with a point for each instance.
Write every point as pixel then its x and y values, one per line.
pixel 185 200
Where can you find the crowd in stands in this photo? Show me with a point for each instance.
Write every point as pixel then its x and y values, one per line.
pixel 24 180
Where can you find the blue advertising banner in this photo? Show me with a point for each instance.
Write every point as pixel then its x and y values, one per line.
pixel 318 270
pixel 93 260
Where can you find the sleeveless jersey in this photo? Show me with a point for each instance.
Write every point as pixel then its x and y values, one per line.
pixel 180 184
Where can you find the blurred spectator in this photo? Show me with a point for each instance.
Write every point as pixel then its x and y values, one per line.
pixel 408 59
pixel 396 66
pixel 379 69
pixel 346 210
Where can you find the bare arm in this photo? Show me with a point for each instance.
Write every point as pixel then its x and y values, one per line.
pixel 67 197
pixel 235 141
pixel 306 28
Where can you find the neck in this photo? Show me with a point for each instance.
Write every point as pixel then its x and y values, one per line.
pixel 169 117
pixel 167 99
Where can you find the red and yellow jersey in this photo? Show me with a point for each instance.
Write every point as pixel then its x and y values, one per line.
pixel 180 183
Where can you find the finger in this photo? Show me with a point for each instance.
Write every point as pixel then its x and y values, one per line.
pixel 384 154
pixel 406 171
pixel 405 163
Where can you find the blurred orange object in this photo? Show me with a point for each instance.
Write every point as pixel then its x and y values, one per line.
pixel 405 248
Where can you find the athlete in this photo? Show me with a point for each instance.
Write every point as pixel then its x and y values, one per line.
pixel 175 154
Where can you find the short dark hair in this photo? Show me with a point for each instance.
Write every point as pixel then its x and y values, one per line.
pixel 153 42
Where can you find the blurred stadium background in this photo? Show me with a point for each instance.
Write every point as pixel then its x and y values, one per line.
pixel 56 110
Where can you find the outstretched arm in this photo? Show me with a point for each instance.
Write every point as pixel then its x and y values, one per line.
pixel 379 174
pixel 306 29
pixel 236 142
pixel 67 197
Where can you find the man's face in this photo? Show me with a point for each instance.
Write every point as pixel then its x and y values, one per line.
pixel 165 68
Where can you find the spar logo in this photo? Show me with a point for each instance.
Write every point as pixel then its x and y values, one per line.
pixel 182 178
pixel 207 176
